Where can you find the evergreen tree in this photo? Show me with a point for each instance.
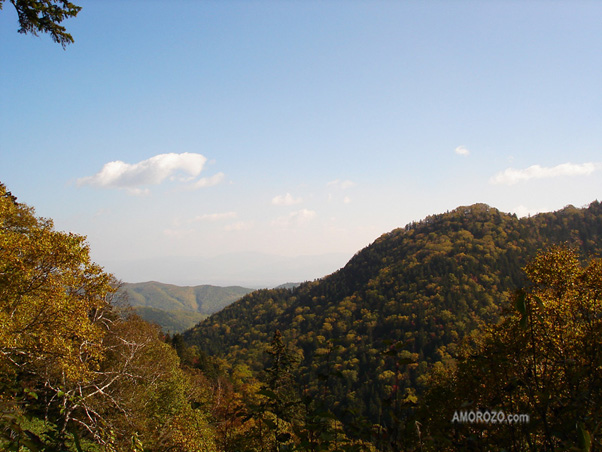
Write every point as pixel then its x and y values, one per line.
pixel 281 408
pixel 45 16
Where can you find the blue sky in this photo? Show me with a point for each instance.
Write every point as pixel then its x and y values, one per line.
pixel 295 128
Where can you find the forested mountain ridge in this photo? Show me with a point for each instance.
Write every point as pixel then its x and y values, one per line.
pixel 177 308
pixel 205 299
pixel 400 307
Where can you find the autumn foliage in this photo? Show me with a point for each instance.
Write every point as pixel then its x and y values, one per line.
pixel 75 370
pixel 456 313
pixel 544 360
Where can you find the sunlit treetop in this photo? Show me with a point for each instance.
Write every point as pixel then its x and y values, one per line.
pixel 51 295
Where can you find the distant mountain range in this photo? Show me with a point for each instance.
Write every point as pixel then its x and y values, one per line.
pixel 248 269
pixel 177 308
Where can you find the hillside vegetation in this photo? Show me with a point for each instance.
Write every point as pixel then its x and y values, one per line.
pixel 170 322
pixel 204 299
pixel 76 373
pixel 472 310
pixel 178 308
pixel 369 334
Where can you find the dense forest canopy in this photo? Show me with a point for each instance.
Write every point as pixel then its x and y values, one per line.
pixel 370 334
pixel 543 361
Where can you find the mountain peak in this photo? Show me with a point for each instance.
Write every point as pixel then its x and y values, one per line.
pixel 423 287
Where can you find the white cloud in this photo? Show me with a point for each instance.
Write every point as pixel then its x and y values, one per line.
pixel 209 181
pixel 184 167
pixel 511 176
pixel 296 218
pixel 522 211
pixel 342 184
pixel 178 233
pixel 152 171
pixel 285 200
pixel 138 191
pixel 239 226
pixel 215 216
pixel 346 200
pixel 461 150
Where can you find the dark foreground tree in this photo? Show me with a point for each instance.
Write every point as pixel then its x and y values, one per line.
pixel 45 16
pixel 543 361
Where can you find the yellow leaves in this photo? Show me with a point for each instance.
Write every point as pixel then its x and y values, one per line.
pixel 544 359
pixel 439 243
pixel 110 375
pixel 386 376
pixel 190 432
pixel 555 269
pixel 48 287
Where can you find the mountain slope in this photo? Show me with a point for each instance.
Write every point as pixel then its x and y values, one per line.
pixel 369 332
pixel 205 299
pixel 177 308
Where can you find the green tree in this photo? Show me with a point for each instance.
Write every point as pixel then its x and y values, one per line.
pixel 73 368
pixel 279 411
pixel 53 306
pixel 45 16
pixel 145 394
pixel 51 295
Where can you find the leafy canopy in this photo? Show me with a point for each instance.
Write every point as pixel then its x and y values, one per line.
pixel 50 292
pixel 543 360
pixel 75 369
